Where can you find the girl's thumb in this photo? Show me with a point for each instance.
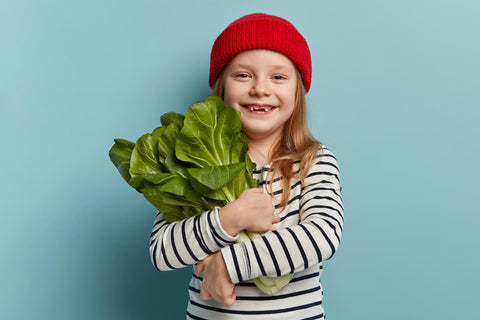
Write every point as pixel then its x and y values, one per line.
pixel 199 268
pixel 228 301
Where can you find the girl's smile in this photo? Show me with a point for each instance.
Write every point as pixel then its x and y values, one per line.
pixel 259 108
pixel 261 84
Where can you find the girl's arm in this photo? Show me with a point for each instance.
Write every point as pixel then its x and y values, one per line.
pixel 292 249
pixel 183 243
pixel 179 244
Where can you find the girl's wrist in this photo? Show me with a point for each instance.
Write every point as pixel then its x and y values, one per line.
pixel 229 219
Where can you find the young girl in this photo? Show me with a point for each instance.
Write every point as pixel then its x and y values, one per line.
pixel 261 66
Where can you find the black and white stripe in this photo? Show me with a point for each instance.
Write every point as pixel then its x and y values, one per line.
pixel 184 243
pixel 308 233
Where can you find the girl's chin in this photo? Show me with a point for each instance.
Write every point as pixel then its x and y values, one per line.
pixel 260 133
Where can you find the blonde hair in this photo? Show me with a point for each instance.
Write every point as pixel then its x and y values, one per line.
pixel 297 143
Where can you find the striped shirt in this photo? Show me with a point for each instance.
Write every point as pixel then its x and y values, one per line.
pixel 308 234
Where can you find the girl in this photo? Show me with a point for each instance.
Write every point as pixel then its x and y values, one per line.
pixel 261 66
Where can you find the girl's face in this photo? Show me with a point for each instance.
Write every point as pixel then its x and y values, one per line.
pixel 261 84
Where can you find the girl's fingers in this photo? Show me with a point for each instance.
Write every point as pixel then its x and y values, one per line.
pixel 228 301
pixel 227 298
pixel 199 268
pixel 276 218
pixel 204 294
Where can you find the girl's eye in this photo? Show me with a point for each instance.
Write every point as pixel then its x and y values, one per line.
pixel 241 75
pixel 278 77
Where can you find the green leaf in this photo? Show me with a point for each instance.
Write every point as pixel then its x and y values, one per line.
pixel 158 178
pixel 166 140
pixel 120 154
pixel 205 139
pixel 173 207
pixel 144 158
pixel 209 194
pixel 181 187
pixel 172 118
pixel 174 166
pixel 232 144
pixel 216 177
pixel 137 182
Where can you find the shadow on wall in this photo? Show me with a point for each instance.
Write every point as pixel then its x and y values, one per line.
pixel 121 282
pixel 97 265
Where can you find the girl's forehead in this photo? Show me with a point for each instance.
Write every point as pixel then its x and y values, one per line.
pixel 261 57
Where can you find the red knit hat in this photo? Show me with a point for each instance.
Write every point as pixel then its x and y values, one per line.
pixel 261 31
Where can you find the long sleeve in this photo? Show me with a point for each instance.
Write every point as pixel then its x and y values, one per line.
pixel 183 243
pixel 309 231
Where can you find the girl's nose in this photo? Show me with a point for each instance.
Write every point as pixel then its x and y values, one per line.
pixel 259 88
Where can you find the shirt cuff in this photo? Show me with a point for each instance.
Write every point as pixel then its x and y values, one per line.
pixel 218 232
pixel 231 262
pixel 237 260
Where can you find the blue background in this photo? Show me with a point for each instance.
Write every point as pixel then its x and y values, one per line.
pixel 395 94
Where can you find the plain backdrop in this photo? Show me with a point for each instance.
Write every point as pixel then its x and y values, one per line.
pixel 395 95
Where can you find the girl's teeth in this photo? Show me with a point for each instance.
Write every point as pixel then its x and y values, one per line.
pixel 258 109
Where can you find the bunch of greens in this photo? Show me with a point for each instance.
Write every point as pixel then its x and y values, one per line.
pixel 192 164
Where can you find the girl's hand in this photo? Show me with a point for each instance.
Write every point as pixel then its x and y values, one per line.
pixel 252 211
pixel 216 281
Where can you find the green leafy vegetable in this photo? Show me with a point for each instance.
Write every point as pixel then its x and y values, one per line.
pixel 191 164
